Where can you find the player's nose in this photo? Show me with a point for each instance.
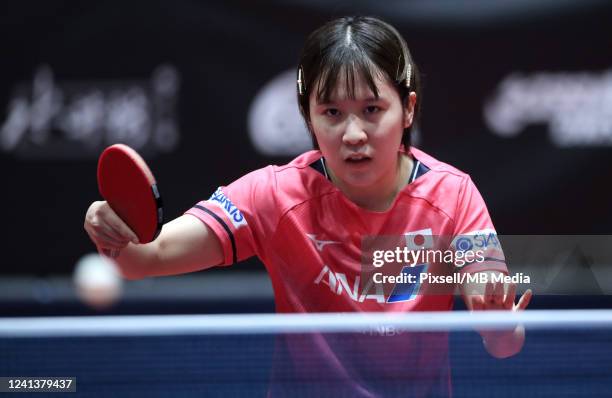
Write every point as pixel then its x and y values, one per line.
pixel 354 133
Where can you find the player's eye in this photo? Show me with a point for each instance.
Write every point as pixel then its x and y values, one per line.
pixel 372 109
pixel 332 112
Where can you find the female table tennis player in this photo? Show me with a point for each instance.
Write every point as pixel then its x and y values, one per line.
pixel 358 91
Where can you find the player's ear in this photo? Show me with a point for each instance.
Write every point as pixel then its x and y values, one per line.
pixel 410 104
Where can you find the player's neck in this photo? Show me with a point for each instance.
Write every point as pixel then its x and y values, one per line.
pixel 380 196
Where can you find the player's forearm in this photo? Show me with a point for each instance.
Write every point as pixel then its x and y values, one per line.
pixel 504 343
pixel 137 261
pixel 184 245
pixel 157 259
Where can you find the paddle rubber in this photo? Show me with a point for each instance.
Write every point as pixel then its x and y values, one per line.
pixel 127 184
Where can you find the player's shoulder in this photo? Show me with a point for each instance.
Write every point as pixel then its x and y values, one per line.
pixel 301 163
pixel 306 168
pixel 439 168
pixel 304 177
pixel 442 185
pixel 298 181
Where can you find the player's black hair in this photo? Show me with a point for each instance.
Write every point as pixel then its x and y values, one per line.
pixel 356 46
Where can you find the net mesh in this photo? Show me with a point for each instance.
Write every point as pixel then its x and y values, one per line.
pixel 368 359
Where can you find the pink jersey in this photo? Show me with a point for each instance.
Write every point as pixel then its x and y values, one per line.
pixel 309 236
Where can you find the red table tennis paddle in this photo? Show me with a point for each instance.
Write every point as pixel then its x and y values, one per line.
pixel 127 184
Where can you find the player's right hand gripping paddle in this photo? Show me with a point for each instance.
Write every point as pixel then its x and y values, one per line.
pixel 127 184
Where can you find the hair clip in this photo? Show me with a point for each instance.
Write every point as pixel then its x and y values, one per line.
pixel 300 81
pixel 408 74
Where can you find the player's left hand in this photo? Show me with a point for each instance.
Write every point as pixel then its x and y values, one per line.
pixel 495 299
pixel 506 342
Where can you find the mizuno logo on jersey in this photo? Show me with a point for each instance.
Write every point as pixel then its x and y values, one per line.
pixel 232 212
pixel 320 244
pixel 341 285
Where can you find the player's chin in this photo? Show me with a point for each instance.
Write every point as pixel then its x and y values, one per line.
pixel 360 178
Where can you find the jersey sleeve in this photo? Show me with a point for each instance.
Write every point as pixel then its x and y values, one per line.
pixel 474 231
pixel 241 214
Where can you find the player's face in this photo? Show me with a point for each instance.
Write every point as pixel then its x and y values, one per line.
pixel 360 137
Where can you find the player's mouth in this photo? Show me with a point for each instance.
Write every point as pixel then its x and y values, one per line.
pixel 358 158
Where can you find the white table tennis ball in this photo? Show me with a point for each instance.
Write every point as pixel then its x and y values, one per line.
pixel 98 281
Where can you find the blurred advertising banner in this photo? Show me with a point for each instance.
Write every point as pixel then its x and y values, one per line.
pixel 516 94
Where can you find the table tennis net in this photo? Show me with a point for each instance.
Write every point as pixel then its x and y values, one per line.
pixel 566 354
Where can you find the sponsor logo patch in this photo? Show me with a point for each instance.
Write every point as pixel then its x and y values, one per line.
pixel 485 239
pixel 232 212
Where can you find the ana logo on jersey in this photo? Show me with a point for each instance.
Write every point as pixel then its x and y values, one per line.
pixel 232 212
pixel 339 283
pixel 320 244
